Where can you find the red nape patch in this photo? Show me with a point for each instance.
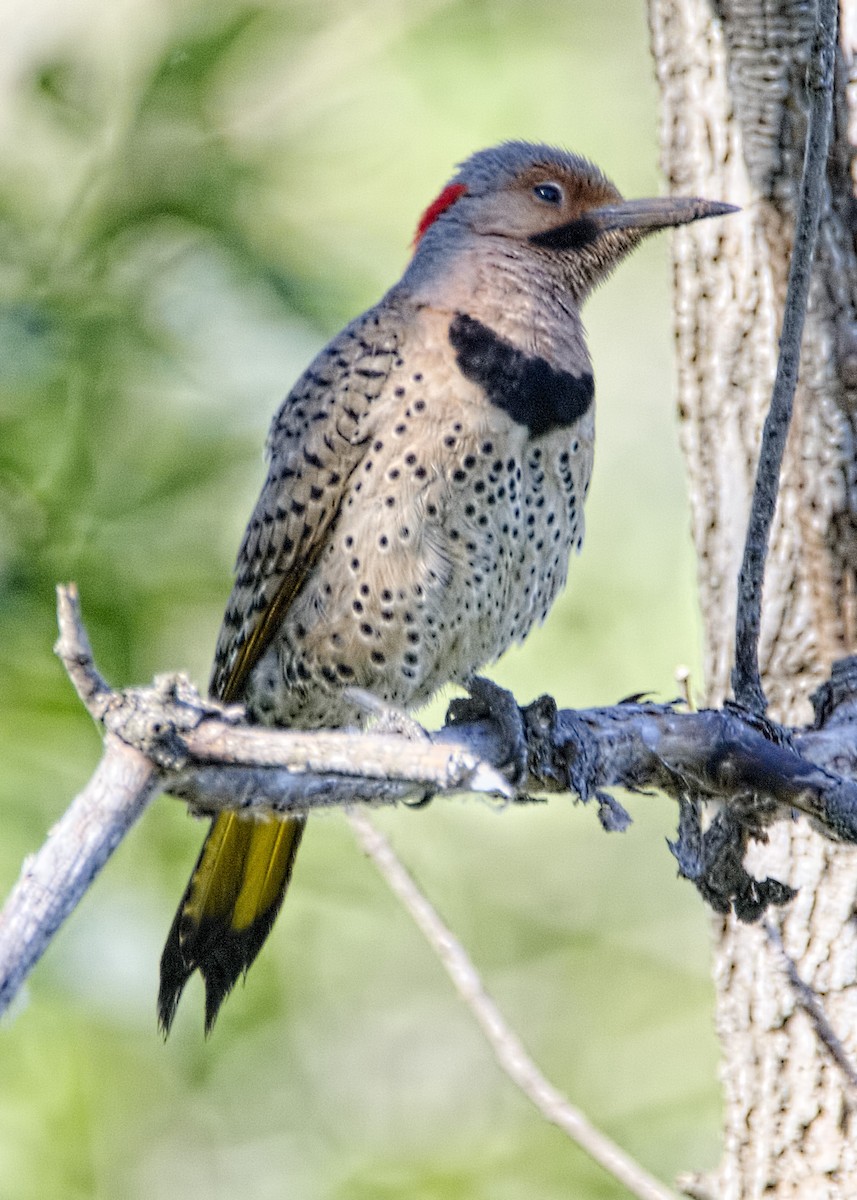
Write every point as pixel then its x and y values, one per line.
pixel 445 200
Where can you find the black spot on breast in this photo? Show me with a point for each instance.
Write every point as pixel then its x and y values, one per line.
pixel 528 388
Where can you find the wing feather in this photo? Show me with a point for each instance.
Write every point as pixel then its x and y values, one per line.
pixel 317 440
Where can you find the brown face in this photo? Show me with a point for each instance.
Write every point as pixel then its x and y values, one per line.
pixel 541 198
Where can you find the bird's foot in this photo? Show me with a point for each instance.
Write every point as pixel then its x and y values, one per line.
pixel 489 701
pixel 387 717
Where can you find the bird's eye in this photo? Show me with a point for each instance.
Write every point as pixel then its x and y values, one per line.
pixel 551 193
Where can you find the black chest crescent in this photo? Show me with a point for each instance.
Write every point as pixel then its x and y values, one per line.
pixel 527 387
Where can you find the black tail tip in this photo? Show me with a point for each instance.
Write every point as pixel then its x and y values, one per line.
pixel 220 956
pixel 168 1001
pixel 175 972
pixel 171 992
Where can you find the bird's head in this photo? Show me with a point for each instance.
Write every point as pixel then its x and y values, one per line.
pixel 549 206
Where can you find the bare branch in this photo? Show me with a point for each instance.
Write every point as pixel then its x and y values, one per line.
pixel 508 1049
pixel 746 680
pixel 166 737
pixel 55 879
pixel 208 757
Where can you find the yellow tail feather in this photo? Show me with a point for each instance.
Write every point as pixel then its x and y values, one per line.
pixel 228 909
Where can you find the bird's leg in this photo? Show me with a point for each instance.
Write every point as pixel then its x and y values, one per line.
pixel 489 701
pixel 387 717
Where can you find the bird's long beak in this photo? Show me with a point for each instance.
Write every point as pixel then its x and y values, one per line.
pixel 645 215
pixel 658 213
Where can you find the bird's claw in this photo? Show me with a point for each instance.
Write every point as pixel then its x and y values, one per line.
pixel 489 701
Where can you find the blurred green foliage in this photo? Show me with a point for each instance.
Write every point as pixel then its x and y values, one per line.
pixel 194 196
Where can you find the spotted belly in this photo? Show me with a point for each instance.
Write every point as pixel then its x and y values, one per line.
pixel 440 560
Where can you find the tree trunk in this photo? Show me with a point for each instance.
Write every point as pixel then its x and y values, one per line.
pixel 733 125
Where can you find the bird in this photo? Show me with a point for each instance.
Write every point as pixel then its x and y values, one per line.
pixel 425 487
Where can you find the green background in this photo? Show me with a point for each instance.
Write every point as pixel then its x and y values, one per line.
pixel 194 197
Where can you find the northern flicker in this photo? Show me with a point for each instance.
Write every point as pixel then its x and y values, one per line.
pixel 425 489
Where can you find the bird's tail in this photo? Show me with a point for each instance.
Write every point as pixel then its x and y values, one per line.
pixel 228 908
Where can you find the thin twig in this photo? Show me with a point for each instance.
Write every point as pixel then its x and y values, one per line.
pixel 74 650
pixel 508 1049
pixel 746 679
pixel 810 1002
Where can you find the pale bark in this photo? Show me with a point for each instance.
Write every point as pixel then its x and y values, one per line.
pixel 733 129
pixel 54 880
